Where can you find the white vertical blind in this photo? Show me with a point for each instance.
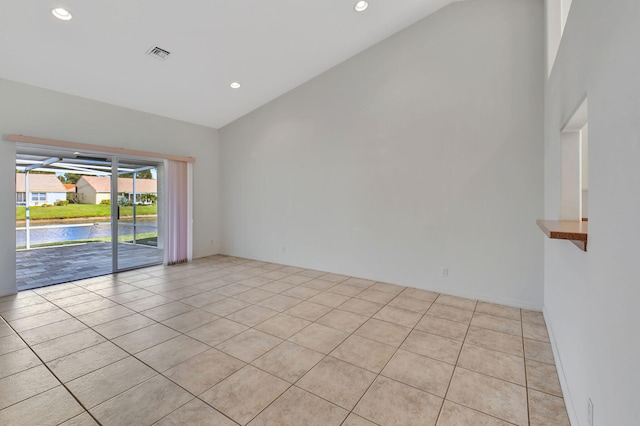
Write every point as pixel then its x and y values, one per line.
pixel 177 242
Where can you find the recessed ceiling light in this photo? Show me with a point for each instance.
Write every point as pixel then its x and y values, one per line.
pixel 361 6
pixel 235 85
pixel 62 13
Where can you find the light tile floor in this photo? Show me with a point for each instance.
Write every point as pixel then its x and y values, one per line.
pixel 226 341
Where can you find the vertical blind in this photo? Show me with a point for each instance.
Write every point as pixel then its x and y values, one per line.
pixel 177 213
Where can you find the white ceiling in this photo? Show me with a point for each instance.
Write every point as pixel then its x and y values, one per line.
pixel 269 46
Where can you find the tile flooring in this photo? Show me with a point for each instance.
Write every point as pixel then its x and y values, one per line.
pixel 226 341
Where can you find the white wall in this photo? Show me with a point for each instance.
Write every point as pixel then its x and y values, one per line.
pixel 553 31
pixel 86 193
pixel 591 299
pixel 33 111
pixel 7 214
pixel 556 15
pixel 53 197
pixel 565 7
pixel 423 151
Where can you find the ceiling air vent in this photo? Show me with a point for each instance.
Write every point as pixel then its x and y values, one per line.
pixel 158 53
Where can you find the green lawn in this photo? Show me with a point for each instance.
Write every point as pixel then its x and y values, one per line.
pixel 81 210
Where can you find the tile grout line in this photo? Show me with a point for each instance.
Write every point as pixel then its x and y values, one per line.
pixel 56 377
pixel 457 360
pixel 390 358
pixel 162 373
pixel 133 355
pixel 300 378
pixel 130 354
pixel 159 373
pixel 526 371
pixel 487 375
pixel 370 317
pixel 156 292
pixel 107 340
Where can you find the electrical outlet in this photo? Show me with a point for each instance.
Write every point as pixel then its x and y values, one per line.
pixel 590 413
pixel 444 272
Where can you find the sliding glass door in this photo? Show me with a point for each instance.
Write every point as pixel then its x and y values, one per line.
pixel 84 214
pixel 136 214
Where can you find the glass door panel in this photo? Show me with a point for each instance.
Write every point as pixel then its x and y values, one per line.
pixel 137 215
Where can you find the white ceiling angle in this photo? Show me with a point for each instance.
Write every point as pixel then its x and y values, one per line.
pixel 270 47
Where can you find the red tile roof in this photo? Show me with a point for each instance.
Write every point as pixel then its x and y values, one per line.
pixel 70 187
pixel 39 183
pixel 103 184
pixel 99 184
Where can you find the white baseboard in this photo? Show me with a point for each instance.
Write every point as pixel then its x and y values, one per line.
pixel 483 298
pixel 568 401
pixel 435 288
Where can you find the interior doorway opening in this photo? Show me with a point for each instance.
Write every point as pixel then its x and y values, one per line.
pixel 575 166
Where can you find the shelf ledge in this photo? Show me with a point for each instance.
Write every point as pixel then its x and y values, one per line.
pixel 572 230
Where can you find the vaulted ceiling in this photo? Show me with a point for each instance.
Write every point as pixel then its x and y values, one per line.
pixel 268 46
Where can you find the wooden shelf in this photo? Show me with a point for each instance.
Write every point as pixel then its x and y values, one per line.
pixel 572 230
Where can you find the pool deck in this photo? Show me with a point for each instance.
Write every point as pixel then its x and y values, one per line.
pixel 54 265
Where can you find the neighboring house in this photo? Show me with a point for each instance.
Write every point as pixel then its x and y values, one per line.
pixel 95 189
pixel 72 197
pixel 44 189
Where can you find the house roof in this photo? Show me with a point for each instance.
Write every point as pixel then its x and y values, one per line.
pixel 70 187
pixel 39 183
pixel 103 184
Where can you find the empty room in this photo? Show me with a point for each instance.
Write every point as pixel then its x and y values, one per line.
pixel 333 212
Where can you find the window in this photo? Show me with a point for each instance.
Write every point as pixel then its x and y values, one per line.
pixel 21 200
pixel 37 197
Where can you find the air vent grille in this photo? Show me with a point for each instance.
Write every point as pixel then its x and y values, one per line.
pixel 158 53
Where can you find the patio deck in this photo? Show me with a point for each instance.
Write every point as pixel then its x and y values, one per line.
pixel 54 265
